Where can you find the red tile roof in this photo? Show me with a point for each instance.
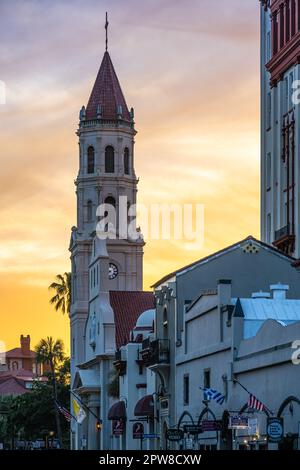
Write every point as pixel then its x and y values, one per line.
pixel 17 353
pixel 12 382
pixel 127 307
pixel 107 93
pixel 12 386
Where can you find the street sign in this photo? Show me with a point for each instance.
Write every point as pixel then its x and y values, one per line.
pixel 238 422
pixel 211 425
pixel 192 429
pixel 174 435
pixel 150 436
pixel 138 430
pixel 275 429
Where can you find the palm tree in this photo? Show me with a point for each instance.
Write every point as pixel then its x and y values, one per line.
pixel 51 352
pixel 62 287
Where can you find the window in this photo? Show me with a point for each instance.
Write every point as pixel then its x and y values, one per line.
pixel 287 22
pixel 275 33
pixel 109 213
pixel 89 211
pixel 206 381
pixel 269 110
pixel 269 228
pixel 281 27
pixel 109 159
pixel 110 201
pixel 293 17
pixel 126 161
pixel 268 171
pixel 15 365
pixel 91 160
pixel 165 324
pixel 186 389
pixel 291 79
pixel 269 46
pixel 285 95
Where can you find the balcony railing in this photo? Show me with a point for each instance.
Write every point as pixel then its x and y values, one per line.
pixel 155 352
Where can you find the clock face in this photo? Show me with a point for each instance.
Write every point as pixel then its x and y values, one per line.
pixel 112 271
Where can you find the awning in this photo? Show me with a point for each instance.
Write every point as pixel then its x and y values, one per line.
pixel 145 407
pixel 117 411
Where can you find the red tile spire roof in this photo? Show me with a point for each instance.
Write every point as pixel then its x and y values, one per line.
pixel 107 96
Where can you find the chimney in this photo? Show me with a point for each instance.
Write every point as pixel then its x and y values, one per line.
pixel 224 291
pixel 25 344
pixel 279 291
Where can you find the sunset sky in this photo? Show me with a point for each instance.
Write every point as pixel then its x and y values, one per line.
pixel 191 71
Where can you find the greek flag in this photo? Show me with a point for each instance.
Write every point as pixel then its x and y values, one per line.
pixel 213 394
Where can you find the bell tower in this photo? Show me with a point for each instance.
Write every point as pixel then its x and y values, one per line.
pixel 107 176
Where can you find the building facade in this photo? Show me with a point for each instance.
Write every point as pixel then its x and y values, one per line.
pixel 251 265
pixel 245 346
pixel 19 369
pixel 280 129
pixel 133 415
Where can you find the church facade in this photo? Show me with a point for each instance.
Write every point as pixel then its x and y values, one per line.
pixel 107 264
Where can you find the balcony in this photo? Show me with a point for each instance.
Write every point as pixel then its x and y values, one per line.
pixel 285 240
pixel 155 353
pixel 120 363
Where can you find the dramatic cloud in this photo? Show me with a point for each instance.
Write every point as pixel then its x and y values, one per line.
pixel 191 71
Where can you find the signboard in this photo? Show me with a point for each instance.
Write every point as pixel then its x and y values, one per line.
pixel 137 431
pixel 275 429
pixel 211 425
pixel 150 436
pixel 192 429
pixel 238 422
pixel 253 426
pixel 118 428
pixel 174 435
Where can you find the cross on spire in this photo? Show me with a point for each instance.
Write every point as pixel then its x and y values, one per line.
pixel 106 29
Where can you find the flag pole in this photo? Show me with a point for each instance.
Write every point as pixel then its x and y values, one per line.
pixel 246 390
pixel 57 404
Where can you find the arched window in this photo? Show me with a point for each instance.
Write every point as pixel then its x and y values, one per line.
pixel 91 160
pixel 15 365
pixel 126 161
pixel 89 211
pixel 111 201
pixel 109 159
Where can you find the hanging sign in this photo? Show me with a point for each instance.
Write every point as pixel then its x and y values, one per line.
pixel 238 422
pixel 118 428
pixel 275 429
pixel 208 425
pixel 174 435
pixel 137 430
